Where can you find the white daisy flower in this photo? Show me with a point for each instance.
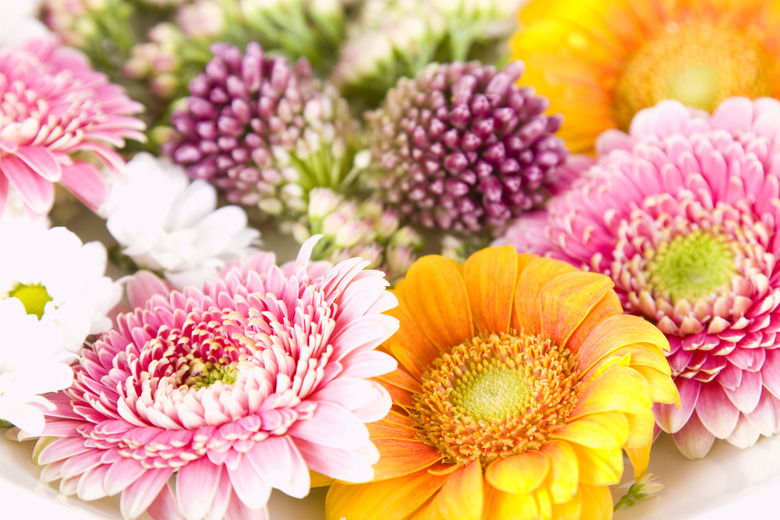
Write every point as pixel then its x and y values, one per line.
pixel 58 279
pixel 168 224
pixel 31 364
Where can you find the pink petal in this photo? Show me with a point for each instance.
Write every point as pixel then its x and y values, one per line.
pixel 237 510
pixel 349 393
pixel 143 285
pixel 84 181
pixel 763 417
pixel 250 488
pixel 770 372
pixel 221 498
pixel 744 435
pixel 368 364
pixel 80 463
pixel 60 449
pixel 196 486
pixel 694 440
pixel 41 161
pixel 716 411
pixel 332 426
pixel 363 334
pixel 746 396
pixel 36 192
pixel 3 192
pixel 139 496
pixel 668 417
pixel 122 474
pixel 90 485
pixel 346 465
pixel 164 506
pixel 733 114
pixel 278 461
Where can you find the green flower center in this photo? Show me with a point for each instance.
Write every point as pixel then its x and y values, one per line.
pixel 492 391
pixel 494 396
pixel 206 373
pixel 692 266
pixel 34 298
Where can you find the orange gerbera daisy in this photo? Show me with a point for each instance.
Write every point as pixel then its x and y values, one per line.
pixel 520 382
pixel 601 61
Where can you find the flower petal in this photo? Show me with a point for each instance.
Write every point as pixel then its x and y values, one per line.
pixel 278 462
pixel 564 471
pixel 196 486
pixel 669 417
pixel 247 483
pixel 694 440
pixel 599 467
pixel 596 502
pixel 509 505
pixel 601 394
pixel 436 295
pixel 461 498
pixel 537 273
pixel 491 278
pixel 141 493
pixel 331 426
pixel 566 301
pixel 36 192
pixel 84 181
pixel 521 473
pixel 402 457
pixel 391 499
pixel 607 306
pixel 604 431
pixel 716 411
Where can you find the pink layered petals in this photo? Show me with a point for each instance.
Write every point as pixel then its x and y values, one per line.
pixel 55 105
pixel 676 173
pixel 233 390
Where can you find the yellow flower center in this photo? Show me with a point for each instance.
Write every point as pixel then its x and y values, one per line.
pixel 206 373
pixel 34 297
pixel 494 396
pixel 699 64
pixel 692 266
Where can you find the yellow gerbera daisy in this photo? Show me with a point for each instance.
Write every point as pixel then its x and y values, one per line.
pixel 600 61
pixel 520 382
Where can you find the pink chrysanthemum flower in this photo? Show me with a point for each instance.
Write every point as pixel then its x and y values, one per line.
pixel 234 389
pixel 55 105
pixel 683 214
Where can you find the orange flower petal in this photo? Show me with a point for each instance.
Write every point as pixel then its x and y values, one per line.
pixel 564 472
pixel 409 334
pixel 491 278
pixel 566 301
pixel 436 296
pixel 599 467
pixel 519 473
pixel 401 386
pixel 391 499
pixel 618 331
pixel 537 273
pixel 393 426
pixel 461 498
pixel 618 389
pixel 596 503
pixel 607 306
pixel 319 480
pixel 399 457
pixel 413 363
pixel 604 431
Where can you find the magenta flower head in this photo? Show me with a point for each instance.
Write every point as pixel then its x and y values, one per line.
pixel 462 147
pixel 56 106
pixel 234 389
pixel 682 213
pixel 262 131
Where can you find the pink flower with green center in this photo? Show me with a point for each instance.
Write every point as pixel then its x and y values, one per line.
pixel 682 213
pixel 232 390
pixel 54 106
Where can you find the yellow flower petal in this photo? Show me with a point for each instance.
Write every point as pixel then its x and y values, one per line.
pixel 436 295
pixel 391 499
pixel 566 301
pixel 604 431
pixel 596 503
pixel 618 389
pixel 519 473
pixel 640 459
pixel 568 510
pixel 537 273
pixel 319 480
pixel 607 306
pixel 640 429
pixel 502 505
pixel 662 387
pixel 599 467
pixel 491 278
pixel 461 498
pixel 564 475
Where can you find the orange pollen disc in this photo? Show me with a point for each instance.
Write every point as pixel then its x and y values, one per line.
pixel 494 396
pixel 699 64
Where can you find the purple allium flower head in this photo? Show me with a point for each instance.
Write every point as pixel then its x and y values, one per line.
pixel 261 130
pixel 462 147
